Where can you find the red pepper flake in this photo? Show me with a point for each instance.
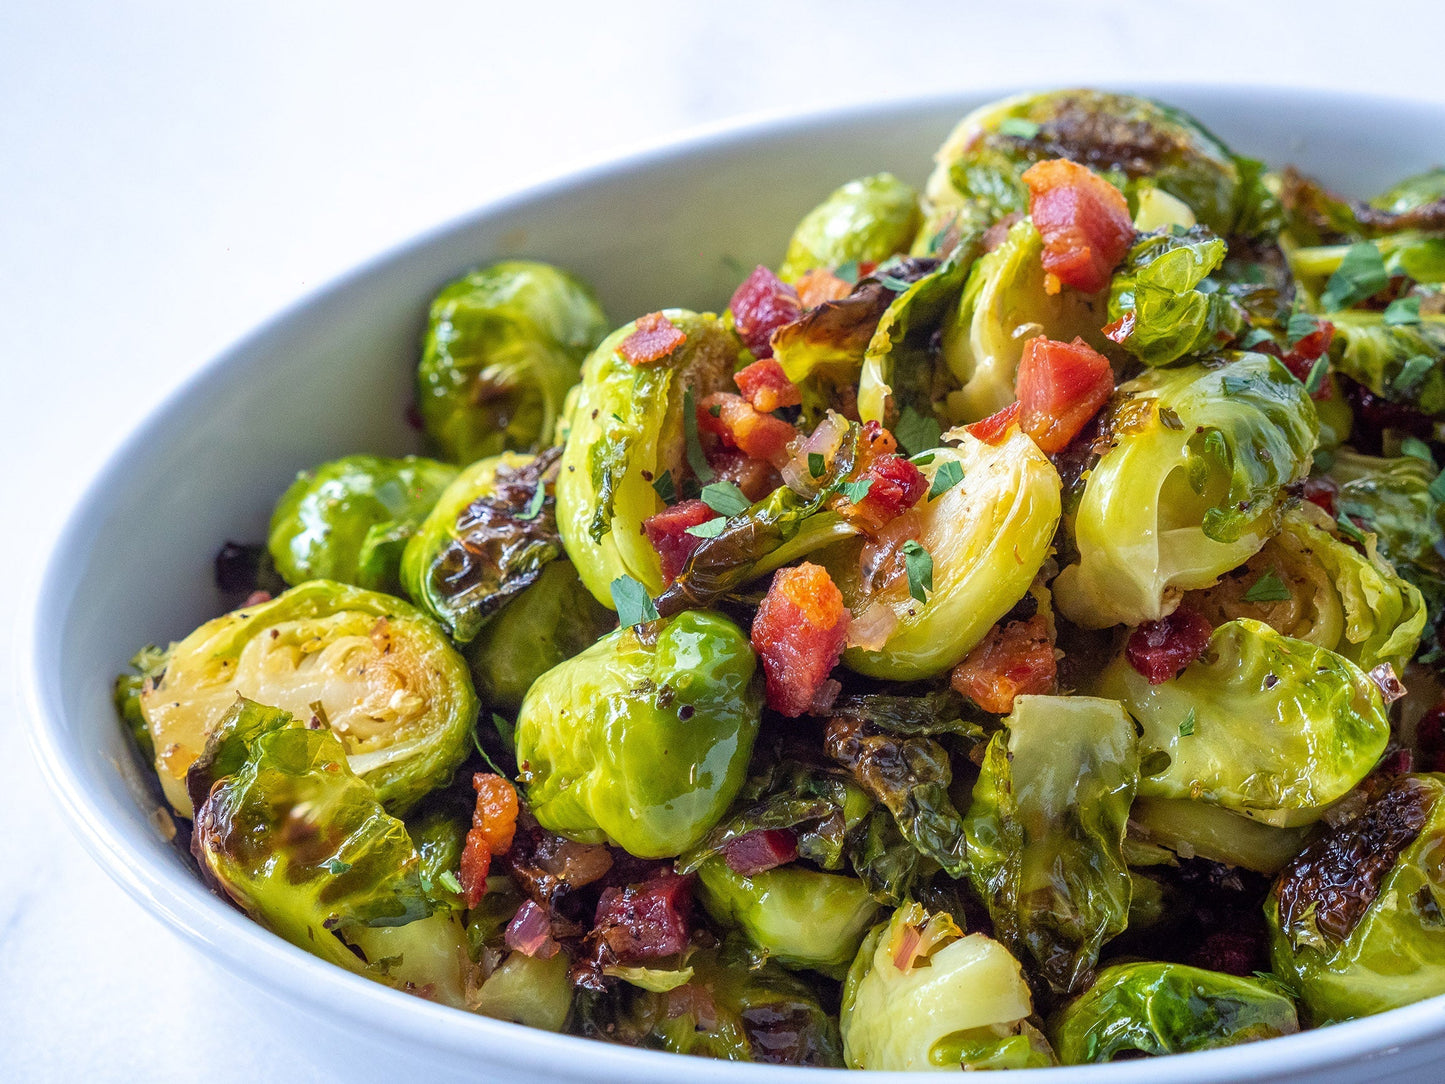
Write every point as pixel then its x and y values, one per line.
pixel 653 338
pixel 1160 649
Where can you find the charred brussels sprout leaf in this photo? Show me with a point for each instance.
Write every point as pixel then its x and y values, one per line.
pixel 1314 215
pixel 1355 920
pixel 374 671
pixel 866 220
pixel 503 346
pixel 1190 487
pixel 643 739
pixel 304 847
pixel 1046 831
pixel 922 995
pixel 349 520
pixel 1164 1008
pixel 486 541
pixel 1403 363
pixel 1282 728
pixel 628 428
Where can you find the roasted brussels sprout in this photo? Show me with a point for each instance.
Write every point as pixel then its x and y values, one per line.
pixel 503 347
pixel 1403 363
pixel 629 426
pixel 1194 829
pixel 866 220
pixel 643 739
pixel 487 540
pixel 1190 487
pixel 370 668
pixel 987 538
pixel 1262 724
pixel 146 669
pixel 1356 919
pixel 1164 1008
pixel 799 917
pixel 349 520
pixel 1046 831
pixel 528 990
pixel 923 995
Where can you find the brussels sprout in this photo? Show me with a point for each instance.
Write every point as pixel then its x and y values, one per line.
pixel 1356 920
pixel 923 995
pixel 1314 215
pixel 643 739
pixel 629 425
pixel 1046 831
pixel 1190 487
pixel 866 220
pixel 550 622
pixel 427 957
pixel 1193 829
pixel 1156 302
pixel 1404 363
pixel 376 672
pixel 528 990
pixel 349 520
pixel 1003 305
pixel 728 1008
pixel 1128 138
pixel 987 538
pixel 503 346
pixel 1164 1008
pixel 799 917
pixel 1261 724
pixel 1308 584
pixel 487 540
pixel 146 669
pixel 303 845
pixel 1421 190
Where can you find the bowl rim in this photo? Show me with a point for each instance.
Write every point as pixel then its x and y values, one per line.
pixel 253 954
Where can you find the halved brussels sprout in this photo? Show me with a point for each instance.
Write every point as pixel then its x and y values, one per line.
pixel 1046 831
pixel 1357 921
pixel 1261 724
pixel 1003 305
pixel 1404 363
pixel 797 916
pixel 923 995
pixel 503 346
pixel 349 520
pixel 629 426
pixel 1418 190
pixel 643 739
pixel 368 667
pixel 866 220
pixel 528 990
pixel 426 957
pixel 1126 137
pixel 487 540
pixel 1197 830
pixel 1164 1008
pixel 987 537
pixel 1190 487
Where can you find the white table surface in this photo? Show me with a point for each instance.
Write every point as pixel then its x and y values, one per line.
pixel 170 174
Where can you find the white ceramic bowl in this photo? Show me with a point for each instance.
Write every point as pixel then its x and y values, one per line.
pixel 674 226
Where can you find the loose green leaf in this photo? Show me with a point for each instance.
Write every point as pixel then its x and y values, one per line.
pixel 816 464
pixel 632 602
pixel 695 457
pixel 1268 588
pixel 1361 275
pixel 915 432
pixel 725 498
pixel 1403 310
pixel 710 529
pixel 1318 372
pixel 1300 325
pixel 856 491
pixel 1186 728
pixel 1254 337
pixel 1018 128
pixel 919 564
pixel 947 476
pixel 665 487
pixel 922 459
pixel 1417 449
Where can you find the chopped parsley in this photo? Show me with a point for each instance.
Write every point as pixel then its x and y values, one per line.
pixel 1403 310
pixel 1254 337
pixel 1361 274
pixel 695 457
pixel 1300 325
pixel 847 271
pixel 856 491
pixel 948 475
pixel 534 504
pixel 1416 448
pixel 725 498
pixel 817 464
pixel 710 529
pixel 449 881
pixel 1318 372
pixel 1437 487
pixel 632 602
pixel 1268 588
pixel 1412 373
pixel 337 866
pixel 1018 128
pixel 664 487
pixel 1186 728
pixel 918 563
pixel 915 432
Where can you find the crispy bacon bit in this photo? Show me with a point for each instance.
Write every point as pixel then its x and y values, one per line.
pixel 494 823
pixel 799 634
pixel 1160 649
pixel 994 428
pixel 643 921
pixel 1061 386
pixel 1300 359
pixel 895 486
pixel 820 285
pixel 667 532
pixel 1084 221
pixel 530 932
pixel 760 850
pixel 755 477
pixel 767 387
pixel 1322 490
pixel 757 435
pixel 653 339
pixel 761 305
pixel 1013 660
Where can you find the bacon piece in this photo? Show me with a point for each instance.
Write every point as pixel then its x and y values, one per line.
pixel 1322 490
pixel 494 824
pixel 654 337
pixel 1012 660
pixel 643 921
pixel 820 285
pixel 760 850
pixel 1084 221
pixel 995 427
pixel 799 633
pixel 1061 386
pixel 895 486
pixel 761 305
pixel 1301 357
pixel 1160 649
pixel 530 932
pixel 755 477
pixel 766 386
pixel 667 532
pixel 758 435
